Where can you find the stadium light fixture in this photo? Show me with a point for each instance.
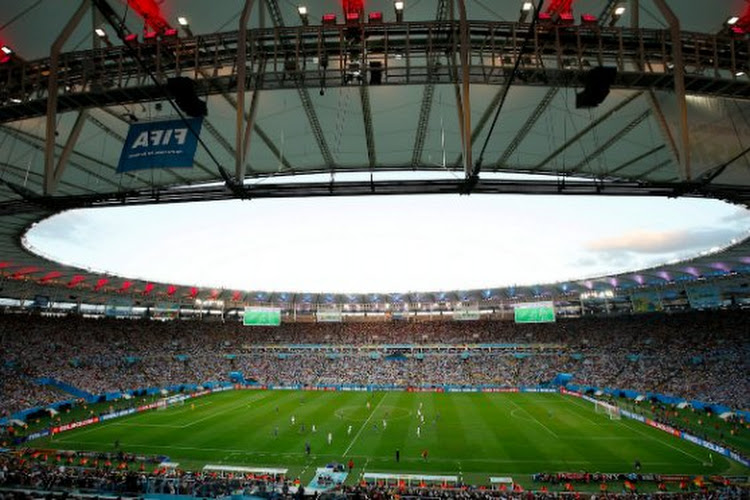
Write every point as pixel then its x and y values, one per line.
pixel 616 15
pixel 185 25
pixel 303 14
pixel 526 8
pixel 732 20
pixel 5 54
pixel 398 6
pixel 102 35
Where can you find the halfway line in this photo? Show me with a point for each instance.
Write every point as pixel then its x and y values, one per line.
pixel 364 425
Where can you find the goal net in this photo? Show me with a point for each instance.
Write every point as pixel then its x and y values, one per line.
pixel 612 411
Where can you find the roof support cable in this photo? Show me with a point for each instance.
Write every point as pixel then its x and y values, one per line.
pixel 474 177
pixel 119 26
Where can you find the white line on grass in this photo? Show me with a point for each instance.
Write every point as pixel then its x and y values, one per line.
pixel 407 460
pixel 533 418
pixel 699 460
pixel 214 414
pixel 581 404
pixel 623 422
pixel 365 424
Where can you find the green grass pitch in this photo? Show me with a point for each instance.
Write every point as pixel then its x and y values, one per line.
pixel 474 436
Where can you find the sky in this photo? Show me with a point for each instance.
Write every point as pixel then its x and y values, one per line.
pixel 388 244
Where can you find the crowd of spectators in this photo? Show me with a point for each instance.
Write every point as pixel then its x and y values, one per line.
pixel 23 477
pixel 698 355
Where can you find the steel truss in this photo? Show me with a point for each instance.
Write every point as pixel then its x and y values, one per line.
pixel 292 57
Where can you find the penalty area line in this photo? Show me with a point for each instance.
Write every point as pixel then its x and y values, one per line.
pixel 364 425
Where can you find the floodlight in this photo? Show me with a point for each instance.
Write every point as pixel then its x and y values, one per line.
pixel 6 50
pixel 733 20
pixel 526 7
pixel 302 11
pixel 183 21
pixel 620 10
pixel 100 33
pixel 398 6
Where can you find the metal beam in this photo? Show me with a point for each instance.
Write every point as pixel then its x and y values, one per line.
pixel 364 98
pixel 367 188
pixel 610 142
pixel 663 126
pixel 428 94
pixel 250 118
pixel 205 53
pixel 304 94
pixel 678 73
pixel 38 143
pixel 52 92
pixel 527 126
pixel 466 89
pixel 591 126
pixel 51 181
pixel 638 158
pixel 239 172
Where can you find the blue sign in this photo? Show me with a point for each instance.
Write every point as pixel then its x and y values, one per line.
pixel 160 144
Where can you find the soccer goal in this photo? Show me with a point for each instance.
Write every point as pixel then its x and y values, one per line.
pixel 611 410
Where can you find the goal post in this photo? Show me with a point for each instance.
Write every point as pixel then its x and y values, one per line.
pixel 612 411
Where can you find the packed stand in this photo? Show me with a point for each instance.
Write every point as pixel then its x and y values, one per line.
pixel 698 355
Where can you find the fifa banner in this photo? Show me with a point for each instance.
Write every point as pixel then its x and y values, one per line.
pixel 160 144
pixel 262 316
pixel 718 131
pixel 646 302
pixel 704 296
pixel 463 312
pixel 534 312
pixel 118 307
pixel 328 314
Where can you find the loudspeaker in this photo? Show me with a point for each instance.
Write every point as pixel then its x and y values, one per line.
pixel 596 87
pixel 182 89
pixel 376 72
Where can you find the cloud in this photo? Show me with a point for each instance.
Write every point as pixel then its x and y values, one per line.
pixel 657 242
pixel 739 216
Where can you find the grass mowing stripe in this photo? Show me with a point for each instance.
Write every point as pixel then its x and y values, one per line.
pixel 475 435
pixel 624 422
pixel 662 441
pixel 364 425
pixel 227 410
pixel 533 418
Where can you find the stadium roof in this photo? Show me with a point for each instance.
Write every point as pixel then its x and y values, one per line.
pixel 376 106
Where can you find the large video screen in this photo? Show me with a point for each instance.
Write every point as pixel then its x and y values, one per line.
pixel 535 312
pixel 262 316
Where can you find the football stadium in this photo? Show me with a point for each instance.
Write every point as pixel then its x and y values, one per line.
pixel 630 383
